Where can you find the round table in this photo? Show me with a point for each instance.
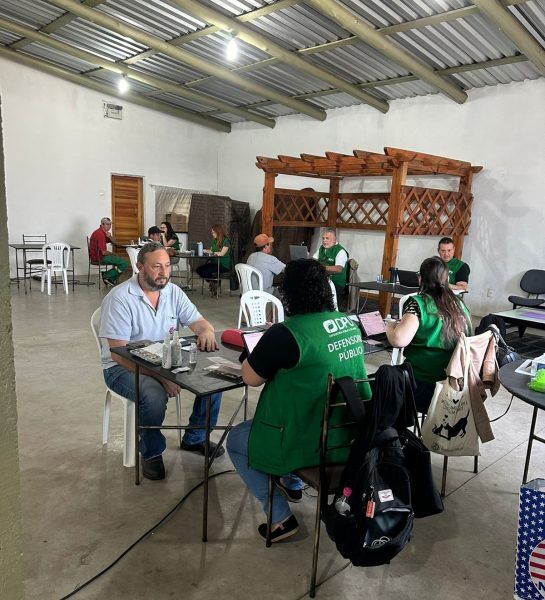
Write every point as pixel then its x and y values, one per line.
pixel 517 384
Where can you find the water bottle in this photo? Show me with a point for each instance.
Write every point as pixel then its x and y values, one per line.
pixel 199 248
pixel 176 351
pixel 193 354
pixel 167 353
pixel 341 504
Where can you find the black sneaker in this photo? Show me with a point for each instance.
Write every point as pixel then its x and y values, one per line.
pixel 153 468
pixel 108 282
pixel 288 528
pixel 289 495
pixel 199 448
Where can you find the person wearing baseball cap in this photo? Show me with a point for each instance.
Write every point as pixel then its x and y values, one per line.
pixel 263 260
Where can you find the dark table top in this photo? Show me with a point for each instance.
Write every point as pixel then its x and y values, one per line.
pixel 384 287
pixel 198 381
pixel 194 256
pixel 517 384
pixel 36 246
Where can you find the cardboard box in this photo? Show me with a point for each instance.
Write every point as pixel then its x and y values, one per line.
pixel 178 222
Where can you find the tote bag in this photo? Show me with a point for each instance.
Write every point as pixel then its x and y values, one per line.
pixel 449 428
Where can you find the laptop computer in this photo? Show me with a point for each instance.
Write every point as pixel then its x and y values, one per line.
pixel 372 326
pixel 408 278
pixel 297 252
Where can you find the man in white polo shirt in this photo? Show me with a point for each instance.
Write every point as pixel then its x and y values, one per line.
pixel 146 307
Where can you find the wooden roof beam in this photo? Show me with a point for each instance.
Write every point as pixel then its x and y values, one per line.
pixel 427 160
pixel 104 20
pixel 265 44
pixel 105 88
pixel 509 25
pixel 347 19
pixel 122 69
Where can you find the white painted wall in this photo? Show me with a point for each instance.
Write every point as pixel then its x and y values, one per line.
pixel 60 153
pixel 501 128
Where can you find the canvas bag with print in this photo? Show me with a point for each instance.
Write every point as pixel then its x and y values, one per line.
pixel 449 428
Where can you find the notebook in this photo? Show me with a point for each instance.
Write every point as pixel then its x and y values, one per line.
pixel 250 340
pixel 298 252
pixel 408 278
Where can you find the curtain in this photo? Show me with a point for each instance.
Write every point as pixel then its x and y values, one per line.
pixel 172 200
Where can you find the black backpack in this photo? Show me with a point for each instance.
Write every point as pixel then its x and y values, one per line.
pixel 380 521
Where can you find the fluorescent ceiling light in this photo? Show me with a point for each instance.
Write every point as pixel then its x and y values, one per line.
pixel 231 51
pixel 123 85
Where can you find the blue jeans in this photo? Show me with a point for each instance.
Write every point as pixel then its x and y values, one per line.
pixel 153 404
pixel 256 481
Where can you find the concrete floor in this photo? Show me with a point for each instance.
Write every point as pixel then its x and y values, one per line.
pixel 81 508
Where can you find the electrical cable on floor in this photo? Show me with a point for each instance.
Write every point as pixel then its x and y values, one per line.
pixel 506 411
pixel 144 535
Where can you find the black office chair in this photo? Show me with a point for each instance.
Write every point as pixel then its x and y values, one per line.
pixel 533 283
pixel 324 478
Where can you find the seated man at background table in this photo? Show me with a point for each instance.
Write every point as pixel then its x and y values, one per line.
pixel 100 254
pixel 334 258
pixel 458 270
pixel 146 307
pixel 154 234
pixel 263 260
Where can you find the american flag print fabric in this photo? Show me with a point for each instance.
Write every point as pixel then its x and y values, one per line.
pixel 530 565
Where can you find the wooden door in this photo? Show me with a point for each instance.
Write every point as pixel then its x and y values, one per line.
pixel 127 208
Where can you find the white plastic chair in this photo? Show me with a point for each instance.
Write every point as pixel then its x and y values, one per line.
pixel 334 294
pixel 56 259
pixel 175 261
pixel 248 277
pixel 253 305
pixel 133 254
pixel 128 407
pixel 397 353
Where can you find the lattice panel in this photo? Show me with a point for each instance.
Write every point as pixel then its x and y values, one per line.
pixel 300 207
pixel 363 211
pixel 427 211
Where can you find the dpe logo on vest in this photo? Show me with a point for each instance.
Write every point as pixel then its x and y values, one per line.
pixel 338 324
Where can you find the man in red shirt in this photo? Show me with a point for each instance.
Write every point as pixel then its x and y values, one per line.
pixel 101 255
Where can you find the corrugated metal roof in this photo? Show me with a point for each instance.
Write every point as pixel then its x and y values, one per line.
pixel 34 13
pixel 455 43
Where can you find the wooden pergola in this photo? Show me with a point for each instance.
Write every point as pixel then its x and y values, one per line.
pixel 404 210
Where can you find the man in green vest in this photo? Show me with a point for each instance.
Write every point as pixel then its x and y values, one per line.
pixel 335 260
pixel 458 270
pixel 293 360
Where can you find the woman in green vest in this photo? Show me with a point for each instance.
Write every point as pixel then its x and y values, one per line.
pixel 221 247
pixel 432 323
pixel 170 241
pixel 293 360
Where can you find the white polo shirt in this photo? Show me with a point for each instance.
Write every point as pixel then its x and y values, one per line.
pixel 126 314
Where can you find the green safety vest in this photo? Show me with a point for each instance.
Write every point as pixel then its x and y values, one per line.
pixel 225 261
pixel 285 433
pixel 327 256
pixel 427 353
pixel 453 265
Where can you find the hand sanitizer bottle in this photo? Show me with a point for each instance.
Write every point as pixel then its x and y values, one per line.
pixel 167 353
pixel 176 351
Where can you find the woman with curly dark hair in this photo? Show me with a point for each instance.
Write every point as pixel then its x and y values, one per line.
pixel 432 323
pixel 293 360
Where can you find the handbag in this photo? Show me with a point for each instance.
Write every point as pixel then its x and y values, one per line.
pixel 449 428
pixel 425 497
